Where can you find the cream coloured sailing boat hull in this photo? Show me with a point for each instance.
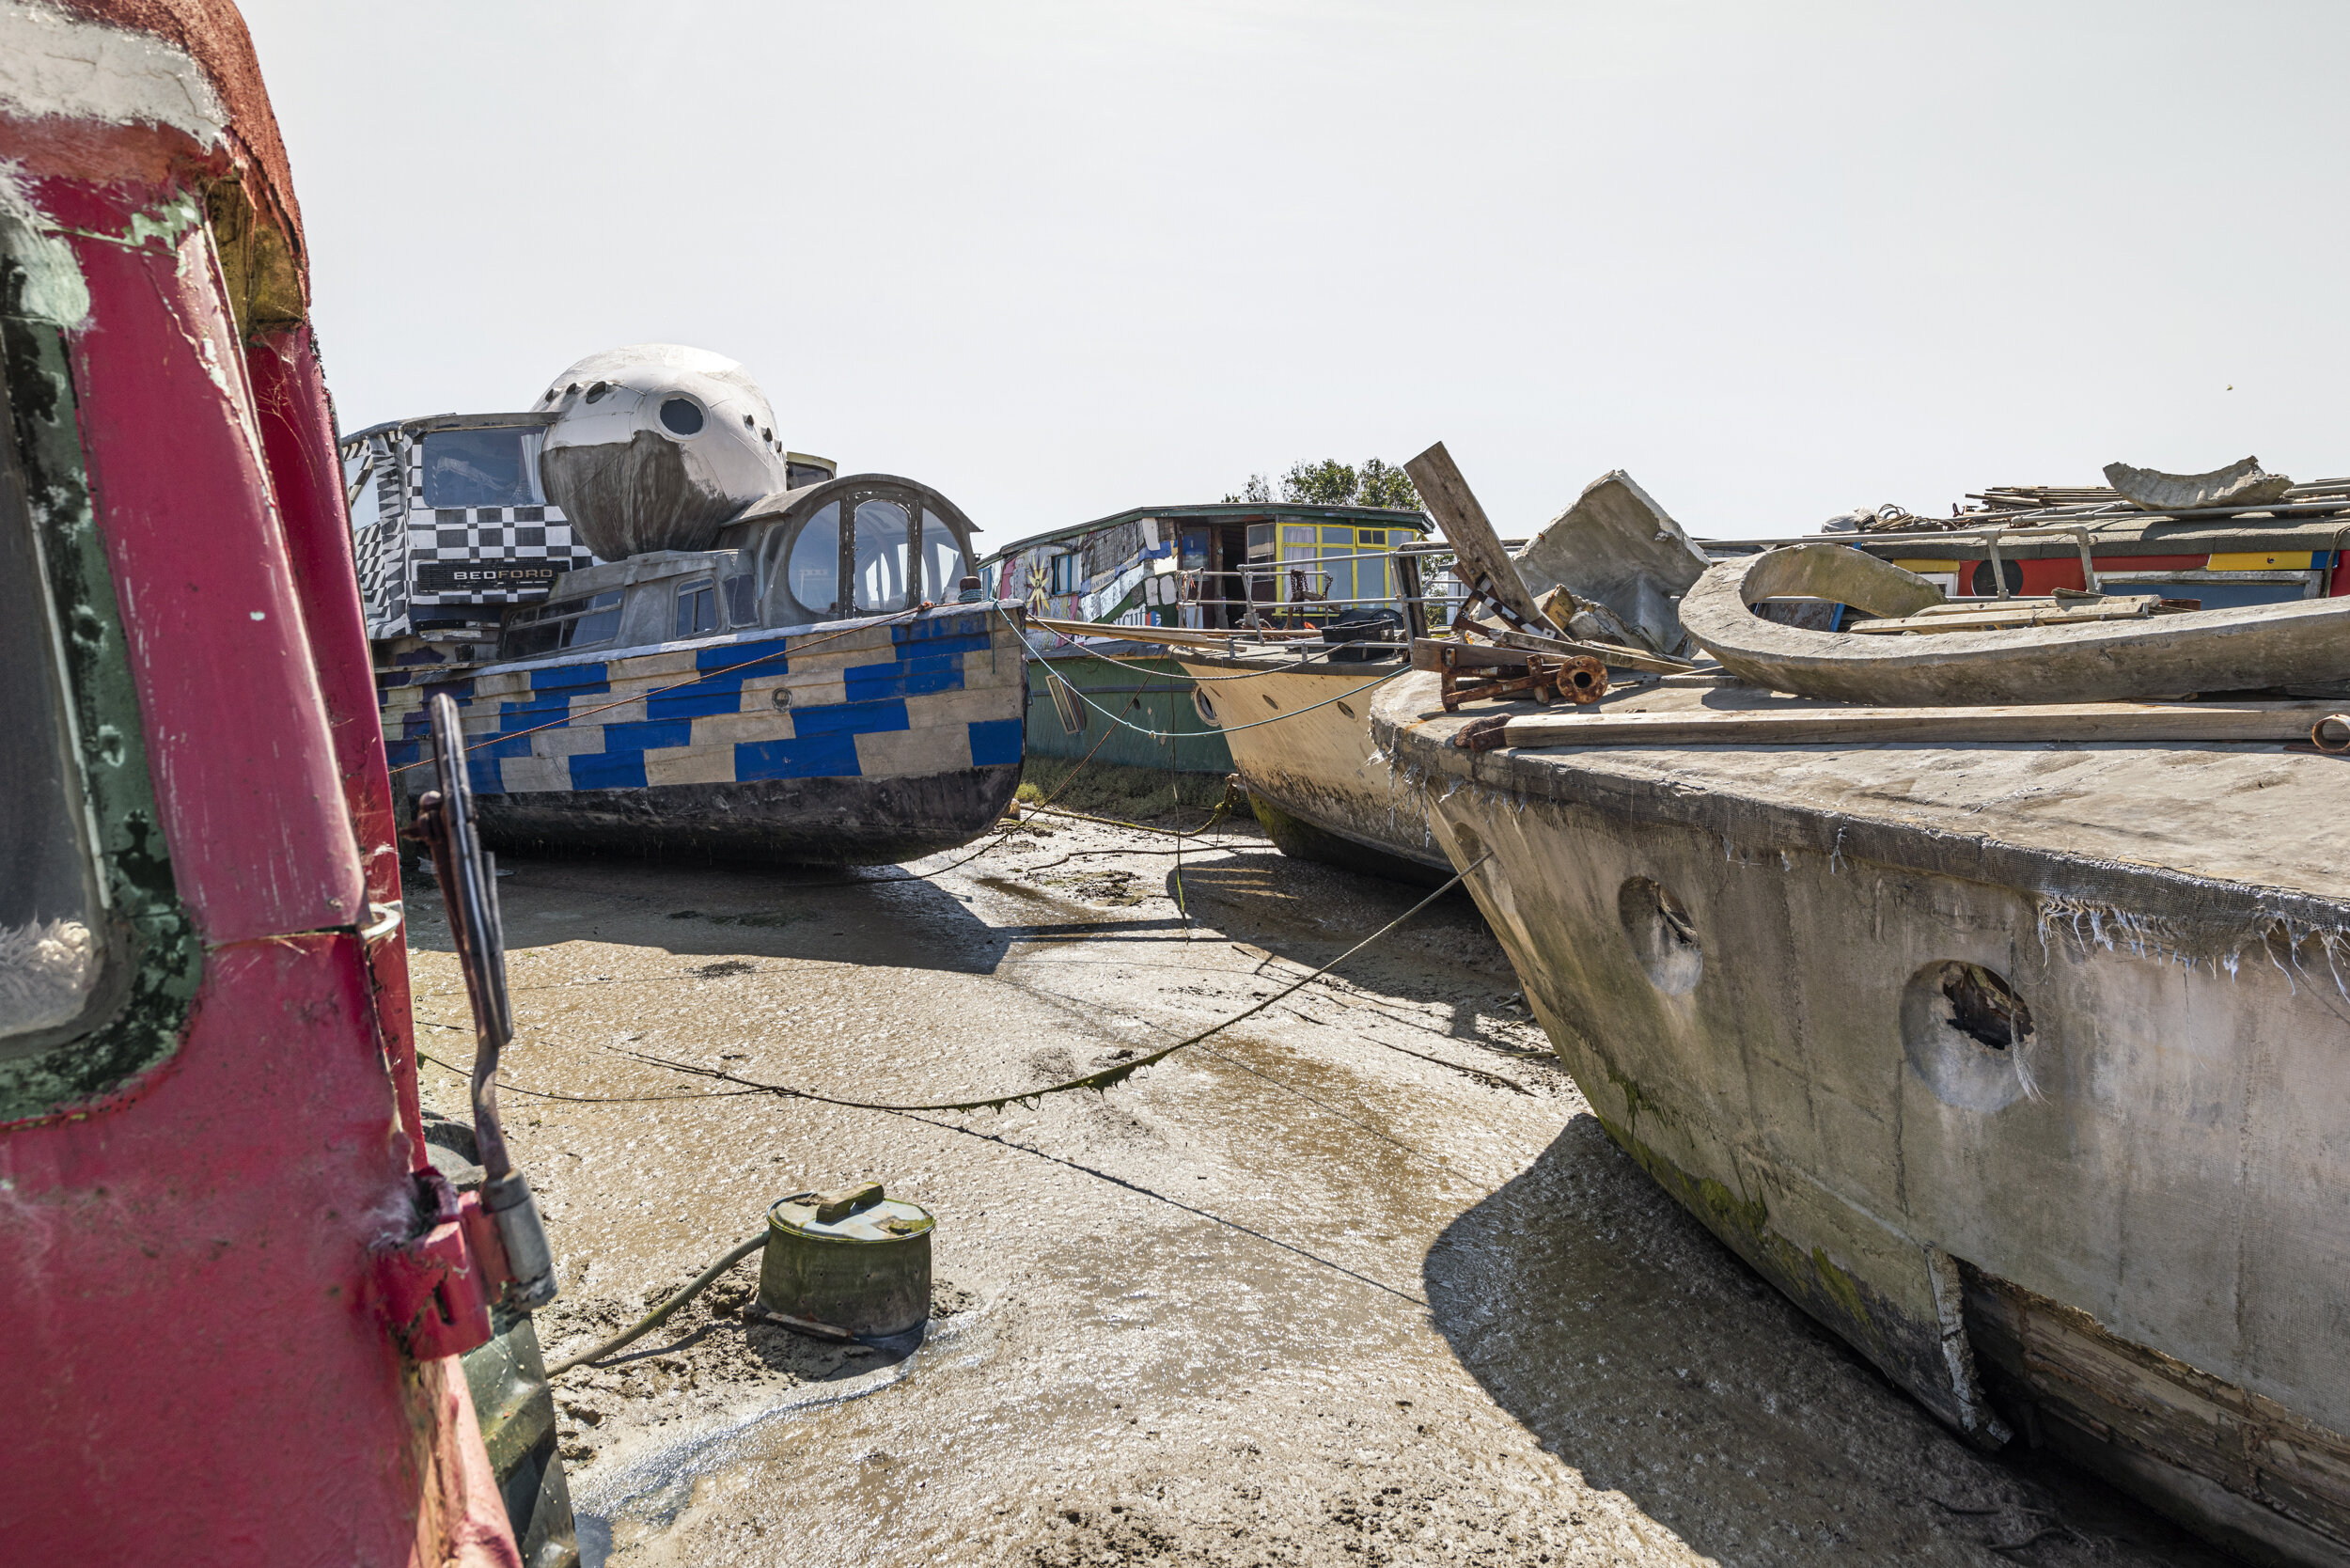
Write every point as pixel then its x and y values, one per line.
pixel 1313 774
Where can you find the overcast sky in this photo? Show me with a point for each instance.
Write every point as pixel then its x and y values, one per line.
pixel 1060 260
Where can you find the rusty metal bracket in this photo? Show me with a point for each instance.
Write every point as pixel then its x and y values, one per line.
pixel 1471 672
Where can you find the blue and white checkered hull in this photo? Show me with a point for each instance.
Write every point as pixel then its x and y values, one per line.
pixel 854 742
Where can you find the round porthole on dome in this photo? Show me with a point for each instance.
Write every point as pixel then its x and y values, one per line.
pixel 681 416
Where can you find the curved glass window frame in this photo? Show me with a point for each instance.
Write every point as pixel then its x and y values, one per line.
pixel 823 522
pixel 782 544
pixel 51 913
pixel 890 561
pixel 942 572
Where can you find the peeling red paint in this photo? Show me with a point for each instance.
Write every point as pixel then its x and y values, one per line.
pixel 200 1368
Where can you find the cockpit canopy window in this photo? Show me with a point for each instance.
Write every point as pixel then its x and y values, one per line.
pixel 881 556
pixel 902 545
pixel 496 466
pixel 572 624
pixel 812 573
pixel 942 564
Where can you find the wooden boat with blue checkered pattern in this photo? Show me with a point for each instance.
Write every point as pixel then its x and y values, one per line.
pixel 704 702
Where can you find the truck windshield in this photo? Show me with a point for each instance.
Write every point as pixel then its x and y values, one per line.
pixel 498 467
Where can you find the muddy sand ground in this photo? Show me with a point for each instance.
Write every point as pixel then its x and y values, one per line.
pixel 1359 1281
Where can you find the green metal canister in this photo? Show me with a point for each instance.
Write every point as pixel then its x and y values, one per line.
pixel 855 1264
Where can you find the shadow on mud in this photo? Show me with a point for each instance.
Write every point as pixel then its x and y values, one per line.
pixel 1640 1351
pixel 868 916
pixel 1308 913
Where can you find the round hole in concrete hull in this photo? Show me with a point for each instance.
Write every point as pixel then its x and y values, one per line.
pixel 1664 938
pixel 1967 1035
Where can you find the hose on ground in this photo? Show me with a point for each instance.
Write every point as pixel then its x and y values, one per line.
pixel 660 1314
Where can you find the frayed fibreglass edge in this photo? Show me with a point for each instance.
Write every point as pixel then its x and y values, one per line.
pixel 2098 927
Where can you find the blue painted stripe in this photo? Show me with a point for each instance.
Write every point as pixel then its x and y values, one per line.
pixel 618 770
pixel 727 656
pixel 941 626
pixel 722 696
pixel 995 742
pixel 534 714
pixel 822 756
pixel 482 773
pixel 645 736
pixel 400 754
pixel 914 676
pixel 921 684
pixel 974 643
pixel 850 718
pixel 578 680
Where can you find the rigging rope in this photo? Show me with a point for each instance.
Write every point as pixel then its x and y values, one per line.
pixel 1223 729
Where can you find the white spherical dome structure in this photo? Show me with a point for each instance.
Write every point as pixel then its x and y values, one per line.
pixel 655 446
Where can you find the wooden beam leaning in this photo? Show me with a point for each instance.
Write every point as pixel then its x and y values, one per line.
pixel 1485 567
pixel 2123 723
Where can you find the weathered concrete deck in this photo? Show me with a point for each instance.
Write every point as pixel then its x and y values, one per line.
pixel 1299 1298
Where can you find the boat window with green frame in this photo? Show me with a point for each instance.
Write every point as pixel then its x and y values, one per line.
pixel 98 959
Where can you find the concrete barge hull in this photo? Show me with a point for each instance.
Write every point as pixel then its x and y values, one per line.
pixel 853 744
pixel 1320 786
pixel 1779 977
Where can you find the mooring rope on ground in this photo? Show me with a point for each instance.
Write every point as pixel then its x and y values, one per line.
pixel 1101 1081
pixel 590 1099
pixel 1106 1078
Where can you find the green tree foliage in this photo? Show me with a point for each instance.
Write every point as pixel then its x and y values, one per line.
pixel 1327 483
pixel 1332 484
pixel 1389 488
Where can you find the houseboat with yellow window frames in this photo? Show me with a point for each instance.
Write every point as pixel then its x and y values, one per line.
pixel 1281 618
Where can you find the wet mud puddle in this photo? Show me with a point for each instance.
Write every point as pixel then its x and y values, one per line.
pixel 1359 1281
